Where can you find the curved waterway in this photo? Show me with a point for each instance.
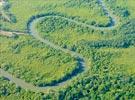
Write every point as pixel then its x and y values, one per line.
pixel 83 62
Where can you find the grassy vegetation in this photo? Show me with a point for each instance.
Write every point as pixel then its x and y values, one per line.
pixel 9 91
pixel 72 36
pixel 123 59
pixel 65 7
pixel 111 75
pixel 33 61
pixel 126 60
pixel 57 30
pixel 123 9
pixel 106 79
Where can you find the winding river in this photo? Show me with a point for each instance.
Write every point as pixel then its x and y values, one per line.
pixel 83 62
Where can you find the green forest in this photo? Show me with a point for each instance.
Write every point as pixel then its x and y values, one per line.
pixel 67 50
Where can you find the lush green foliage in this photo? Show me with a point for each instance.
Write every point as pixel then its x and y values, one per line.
pixel 9 91
pixel 111 75
pixel 23 10
pixel 72 36
pixel 33 61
